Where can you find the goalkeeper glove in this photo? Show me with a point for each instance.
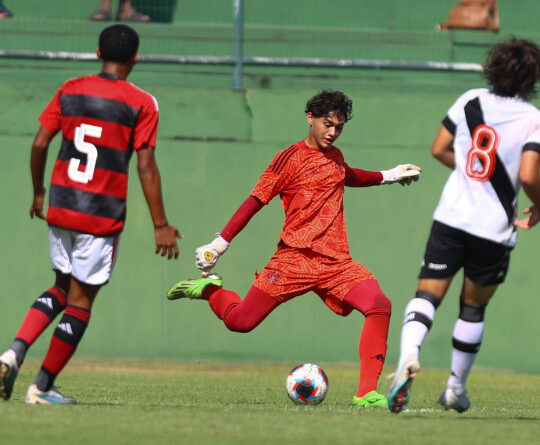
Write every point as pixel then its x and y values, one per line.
pixel 206 256
pixel 403 173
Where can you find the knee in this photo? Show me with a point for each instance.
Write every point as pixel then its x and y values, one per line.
pixel 368 298
pixel 62 282
pixel 238 324
pixel 380 305
pixel 473 313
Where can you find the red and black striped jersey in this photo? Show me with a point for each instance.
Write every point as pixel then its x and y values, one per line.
pixel 103 118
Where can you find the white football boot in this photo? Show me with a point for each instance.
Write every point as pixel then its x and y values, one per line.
pixel 51 397
pixel 8 373
pixel 451 400
pixel 399 392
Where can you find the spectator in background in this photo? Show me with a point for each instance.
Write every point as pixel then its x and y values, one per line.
pixel 473 14
pixel 126 12
pixel 5 13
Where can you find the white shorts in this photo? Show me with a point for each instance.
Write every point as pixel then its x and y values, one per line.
pixel 87 258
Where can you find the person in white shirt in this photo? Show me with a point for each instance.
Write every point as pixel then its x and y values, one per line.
pixel 490 138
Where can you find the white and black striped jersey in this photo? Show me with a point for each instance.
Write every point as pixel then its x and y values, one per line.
pixel 490 134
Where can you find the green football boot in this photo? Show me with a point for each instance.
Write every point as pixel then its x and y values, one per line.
pixel 370 400
pixel 193 289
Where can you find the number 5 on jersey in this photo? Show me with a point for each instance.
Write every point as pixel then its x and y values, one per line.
pixel 88 149
pixel 485 142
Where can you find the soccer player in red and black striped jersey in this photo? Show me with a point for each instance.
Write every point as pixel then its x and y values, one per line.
pixel 313 253
pixel 103 119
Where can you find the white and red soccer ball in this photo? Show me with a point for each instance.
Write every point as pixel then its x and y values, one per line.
pixel 307 384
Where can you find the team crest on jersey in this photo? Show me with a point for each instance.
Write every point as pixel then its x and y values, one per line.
pixel 273 277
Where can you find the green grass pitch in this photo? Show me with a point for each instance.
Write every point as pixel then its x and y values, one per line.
pixel 221 403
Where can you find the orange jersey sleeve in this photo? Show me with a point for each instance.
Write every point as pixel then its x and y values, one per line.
pixel 278 175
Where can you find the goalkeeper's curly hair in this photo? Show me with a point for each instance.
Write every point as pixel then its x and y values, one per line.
pixel 512 68
pixel 327 101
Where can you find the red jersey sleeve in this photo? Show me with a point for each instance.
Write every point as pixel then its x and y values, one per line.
pixel 145 132
pixel 50 118
pixel 241 217
pixel 276 177
pixel 356 177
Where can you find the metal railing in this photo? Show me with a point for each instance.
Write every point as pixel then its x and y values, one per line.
pixel 238 61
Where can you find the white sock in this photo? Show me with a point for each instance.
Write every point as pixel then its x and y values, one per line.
pixel 419 315
pixel 467 338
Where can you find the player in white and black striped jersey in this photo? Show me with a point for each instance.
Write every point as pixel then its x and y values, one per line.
pixel 491 140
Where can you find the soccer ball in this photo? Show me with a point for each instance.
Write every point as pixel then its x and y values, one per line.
pixel 307 384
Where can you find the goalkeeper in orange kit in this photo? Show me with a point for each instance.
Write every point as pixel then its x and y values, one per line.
pixel 313 251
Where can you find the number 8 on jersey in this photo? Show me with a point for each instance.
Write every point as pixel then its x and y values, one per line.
pixel 485 142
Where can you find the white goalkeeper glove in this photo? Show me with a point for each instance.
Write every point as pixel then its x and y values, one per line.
pixel 206 256
pixel 403 173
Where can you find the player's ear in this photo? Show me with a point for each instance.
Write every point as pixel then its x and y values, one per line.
pixel 98 53
pixel 136 57
pixel 309 118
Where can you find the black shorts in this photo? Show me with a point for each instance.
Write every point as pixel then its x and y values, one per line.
pixel 485 262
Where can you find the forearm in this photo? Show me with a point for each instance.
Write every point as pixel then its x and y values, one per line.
pixel 447 158
pixel 38 159
pixel 241 217
pixel 442 147
pixel 206 256
pixel 362 178
pixel 532 190
pixel 151 185
pixel 529 175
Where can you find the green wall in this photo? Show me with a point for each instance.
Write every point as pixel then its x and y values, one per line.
pixel 213 144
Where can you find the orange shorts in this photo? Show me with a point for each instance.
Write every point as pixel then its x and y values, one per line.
pixel 292 272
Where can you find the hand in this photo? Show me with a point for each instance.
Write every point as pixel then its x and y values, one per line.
pixel 403 173
pixel 166 240
pixel 529 222
pixel 206 256
pixel 36 209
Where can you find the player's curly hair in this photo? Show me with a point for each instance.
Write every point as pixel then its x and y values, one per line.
pixel 512 68
pixel 118 43
pixel 327 101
